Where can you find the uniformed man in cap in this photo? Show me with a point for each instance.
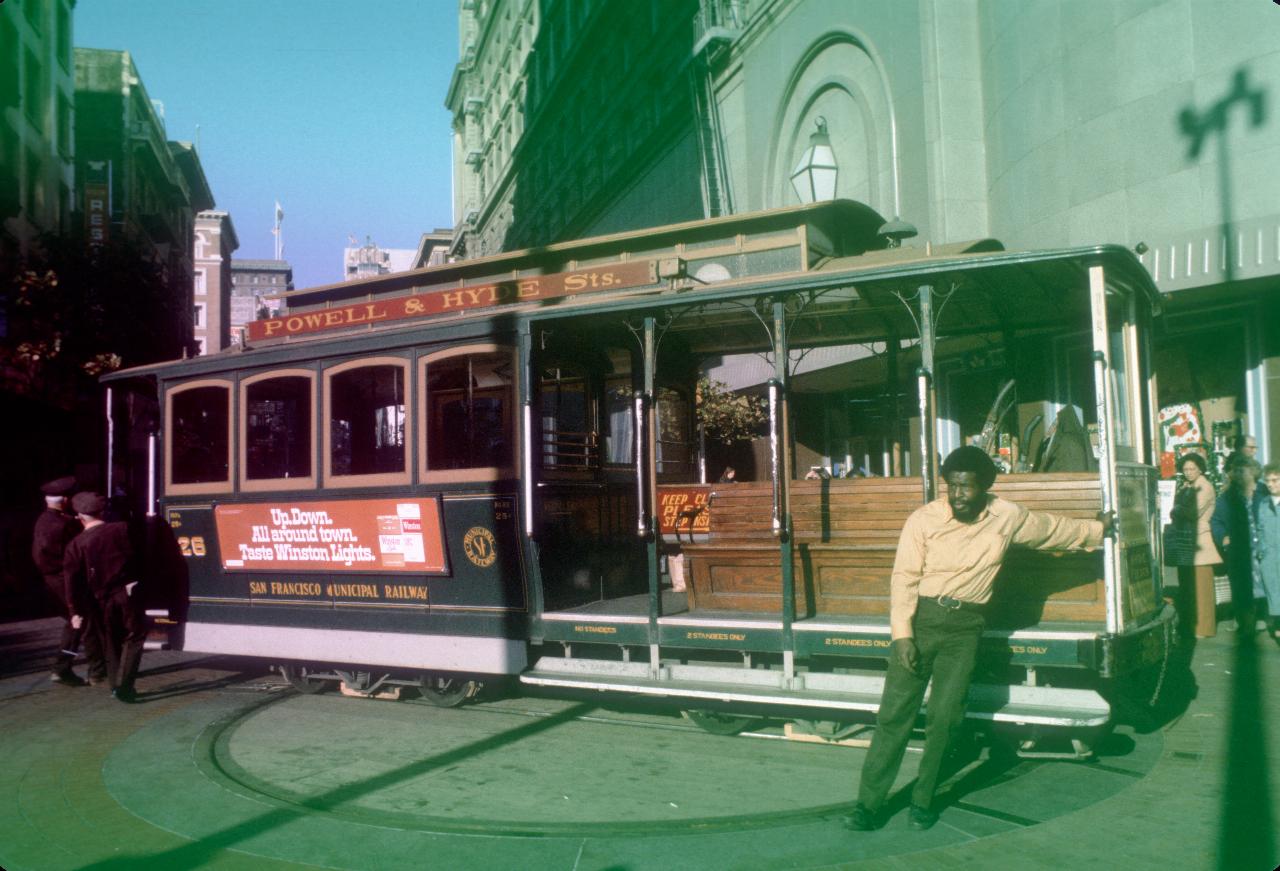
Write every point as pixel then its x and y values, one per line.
pixel 948 556
pixel 54 530
pixel 102 589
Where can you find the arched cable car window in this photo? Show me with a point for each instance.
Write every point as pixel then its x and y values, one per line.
pixel 199 438
pixel 367 421
pixel 278 437
pixel 468 411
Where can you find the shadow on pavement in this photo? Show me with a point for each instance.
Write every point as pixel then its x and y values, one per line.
pixel 197 853
pixel 1245 838
pixel 190 687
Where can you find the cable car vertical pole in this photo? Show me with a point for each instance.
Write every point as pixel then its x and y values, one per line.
pixel 647 476
pixel 924 384
pixel 111 444
pixel 151 475
pixel 524 348
pixel 525 342
pixel 1106 403
pixel 780 455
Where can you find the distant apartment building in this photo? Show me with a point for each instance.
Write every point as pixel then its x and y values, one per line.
pixel 215 242
pixel 369 259
pixel 255 284
pixel 134 182
pixel 37 126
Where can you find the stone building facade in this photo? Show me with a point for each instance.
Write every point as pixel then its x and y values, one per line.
pixel 133 181
pixel 559 107
pixel 37 122
pixel 1044 123
pixel 254 286
pixel 215 242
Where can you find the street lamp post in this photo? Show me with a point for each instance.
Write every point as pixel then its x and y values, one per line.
pixel 814 177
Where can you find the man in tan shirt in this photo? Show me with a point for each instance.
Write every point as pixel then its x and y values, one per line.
pixel 948 556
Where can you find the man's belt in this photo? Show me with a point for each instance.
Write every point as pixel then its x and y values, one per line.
pixel 950 603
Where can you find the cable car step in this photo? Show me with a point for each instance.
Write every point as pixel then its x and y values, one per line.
pixel 1021 705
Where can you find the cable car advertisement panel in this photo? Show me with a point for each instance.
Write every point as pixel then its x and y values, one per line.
pixel 371 535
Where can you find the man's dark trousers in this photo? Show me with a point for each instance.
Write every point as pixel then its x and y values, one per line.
pixel 947 641
pixel 124 632
pixel 69 643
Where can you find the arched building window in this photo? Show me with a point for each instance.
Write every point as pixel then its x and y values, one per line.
pixel 838 79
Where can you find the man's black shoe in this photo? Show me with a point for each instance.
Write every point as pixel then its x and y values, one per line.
pixel 67 678
pixel 121 694
pixel 861 820
pixel 921 818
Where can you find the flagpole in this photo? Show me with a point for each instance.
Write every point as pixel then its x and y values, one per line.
pixel 277 233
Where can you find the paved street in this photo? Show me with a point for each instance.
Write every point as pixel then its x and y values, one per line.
pixel 224 766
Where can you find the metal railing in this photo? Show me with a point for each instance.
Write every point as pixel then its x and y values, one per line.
pixel 719 21
pixel 562 449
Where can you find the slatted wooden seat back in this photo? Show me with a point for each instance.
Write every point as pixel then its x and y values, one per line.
pixel 846 534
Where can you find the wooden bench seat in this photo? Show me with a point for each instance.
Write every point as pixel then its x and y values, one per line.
pixel 846 534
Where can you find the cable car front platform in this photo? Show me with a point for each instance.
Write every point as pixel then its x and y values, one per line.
pixel 736 659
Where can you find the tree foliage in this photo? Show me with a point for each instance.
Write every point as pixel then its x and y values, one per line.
pixel 727 416
pixel 75 312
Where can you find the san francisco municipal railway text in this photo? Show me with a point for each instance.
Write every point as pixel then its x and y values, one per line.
pixel 377 592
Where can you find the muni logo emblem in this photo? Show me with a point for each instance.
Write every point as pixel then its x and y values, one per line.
pixel 479 546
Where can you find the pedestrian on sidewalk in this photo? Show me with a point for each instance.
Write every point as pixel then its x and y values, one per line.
pixel 102 588
pixel 54 530
pixel 948 556
pixel 1196 604
pixel 1232 525
pixel 1266 517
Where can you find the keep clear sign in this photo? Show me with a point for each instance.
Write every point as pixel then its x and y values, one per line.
pixel 375 535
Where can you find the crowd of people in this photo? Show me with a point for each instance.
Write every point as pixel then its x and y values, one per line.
pixel 1239 529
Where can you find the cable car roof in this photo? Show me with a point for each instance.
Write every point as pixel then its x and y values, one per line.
pixel 826 258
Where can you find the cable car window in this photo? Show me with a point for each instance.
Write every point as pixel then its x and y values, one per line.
pixel 675 448
pixel 1122 366
pixel 277 435
pixel 620 407
pixel 468 412
pixel 367 420
pixel 567 439
pixel 199 435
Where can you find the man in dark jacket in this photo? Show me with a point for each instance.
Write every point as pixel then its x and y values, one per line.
pixel 101 587
pixel 54 530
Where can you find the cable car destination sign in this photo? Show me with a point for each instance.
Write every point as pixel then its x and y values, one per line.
pixel 531 288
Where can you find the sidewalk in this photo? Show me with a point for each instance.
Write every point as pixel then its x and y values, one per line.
pixel 224 767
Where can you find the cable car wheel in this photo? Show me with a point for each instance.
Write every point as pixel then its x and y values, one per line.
pixel 717 722
pixel 300 677
pixel 446 692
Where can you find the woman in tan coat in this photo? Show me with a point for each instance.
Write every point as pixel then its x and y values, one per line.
pixel 1196 603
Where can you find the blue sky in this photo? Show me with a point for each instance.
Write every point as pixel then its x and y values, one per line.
pixel 336 109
